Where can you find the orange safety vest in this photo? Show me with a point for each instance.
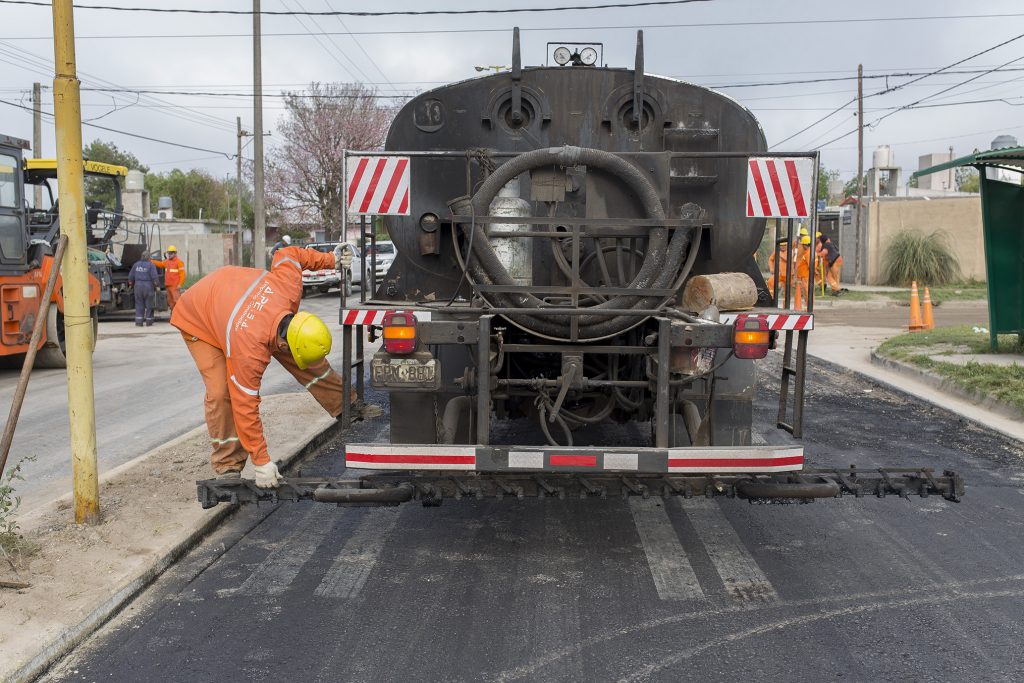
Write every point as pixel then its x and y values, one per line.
pixel 174 271
pixel 238 310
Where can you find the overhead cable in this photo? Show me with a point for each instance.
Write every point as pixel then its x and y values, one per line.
pixel 352 13
pixel 131 135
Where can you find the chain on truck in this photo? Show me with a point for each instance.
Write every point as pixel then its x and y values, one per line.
pixel 549 223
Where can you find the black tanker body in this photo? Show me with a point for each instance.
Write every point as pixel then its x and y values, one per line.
pixel 553 220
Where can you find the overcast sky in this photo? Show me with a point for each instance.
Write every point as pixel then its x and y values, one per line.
pixel 141 50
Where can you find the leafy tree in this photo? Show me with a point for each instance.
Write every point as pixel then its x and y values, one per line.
pixel 825 177
pixel 850 188
pixel 100 189
pixel 304 173
pixel 967 179
pixel 193 193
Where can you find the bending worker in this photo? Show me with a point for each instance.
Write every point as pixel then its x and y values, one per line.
pixel 143 278
pixel 828 253
pixel 234 321
pixel 174 275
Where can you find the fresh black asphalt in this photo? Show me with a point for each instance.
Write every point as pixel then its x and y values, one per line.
pixel 550 590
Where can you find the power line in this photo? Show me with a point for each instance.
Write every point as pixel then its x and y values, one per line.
pixel 629 27
pixel 205 93
pixel 350 13
pixel 124 132
pixel 912 104
pixel 904 85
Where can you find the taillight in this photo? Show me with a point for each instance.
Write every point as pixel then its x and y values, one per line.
pixel 751 336
pixel 399 331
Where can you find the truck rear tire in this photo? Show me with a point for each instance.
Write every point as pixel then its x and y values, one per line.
pixel 53 354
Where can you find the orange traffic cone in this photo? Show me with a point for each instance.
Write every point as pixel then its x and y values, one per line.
pixel 928 321
pixel 915 309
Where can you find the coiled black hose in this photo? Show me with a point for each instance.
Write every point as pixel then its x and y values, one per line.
pixel 660 267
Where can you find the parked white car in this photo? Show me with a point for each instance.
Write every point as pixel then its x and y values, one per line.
pixel 325 280
pixel 386 254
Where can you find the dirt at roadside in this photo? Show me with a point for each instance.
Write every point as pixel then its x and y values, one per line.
pixel 148 506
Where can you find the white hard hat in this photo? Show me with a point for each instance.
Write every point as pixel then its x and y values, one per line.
pixel 287 239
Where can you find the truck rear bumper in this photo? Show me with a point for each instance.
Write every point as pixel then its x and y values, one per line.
pixel 699 460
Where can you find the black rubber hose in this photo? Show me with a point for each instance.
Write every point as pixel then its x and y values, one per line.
pixel 658 271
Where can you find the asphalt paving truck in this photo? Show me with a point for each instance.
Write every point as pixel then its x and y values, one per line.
pixel 549 222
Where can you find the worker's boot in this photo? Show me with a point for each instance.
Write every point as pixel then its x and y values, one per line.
pixel 229 475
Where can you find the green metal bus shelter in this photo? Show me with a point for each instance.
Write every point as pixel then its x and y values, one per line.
pixel 1002 213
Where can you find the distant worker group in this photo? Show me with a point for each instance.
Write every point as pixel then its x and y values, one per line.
pixel 174 275
pixel 827 261
pixel 145 280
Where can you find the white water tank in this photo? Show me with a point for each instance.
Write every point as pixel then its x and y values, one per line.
pixel 136 181
pixel 1003 141
pixel 883 157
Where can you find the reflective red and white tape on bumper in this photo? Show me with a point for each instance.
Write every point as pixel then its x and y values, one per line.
pixel 355 316
pixel 744 459
pixel 403 457
pixel 780 321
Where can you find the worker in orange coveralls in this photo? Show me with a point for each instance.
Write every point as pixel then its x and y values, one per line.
pixel 803 269
pixel 783 268
pixel 233 321
pixel 174 275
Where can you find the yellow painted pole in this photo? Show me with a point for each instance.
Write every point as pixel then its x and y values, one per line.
pixel 75 269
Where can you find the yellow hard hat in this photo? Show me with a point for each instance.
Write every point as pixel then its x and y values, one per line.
pixel 803 232
pixel 172 248
pixel 806 239
pixel 308 339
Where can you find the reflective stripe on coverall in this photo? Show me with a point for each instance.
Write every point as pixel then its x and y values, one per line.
pixel 143 278
pixel 174 278
pixel 230 320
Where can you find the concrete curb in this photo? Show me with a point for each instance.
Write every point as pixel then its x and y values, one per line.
pixel 72 636
pixel 948 386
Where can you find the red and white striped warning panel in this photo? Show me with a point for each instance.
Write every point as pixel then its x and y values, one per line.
pixel 378 186
pixel 403 457
pixel 355 316
pixel 780 321
pixel 743 459
pixel 779 187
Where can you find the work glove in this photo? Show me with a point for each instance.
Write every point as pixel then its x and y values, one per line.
pixel 267 476
pixel 342 257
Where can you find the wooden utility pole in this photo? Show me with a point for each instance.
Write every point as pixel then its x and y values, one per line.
pixel 239 232
pixel 859 231
pixel 259 233
pixel 37 136
pixel 67 112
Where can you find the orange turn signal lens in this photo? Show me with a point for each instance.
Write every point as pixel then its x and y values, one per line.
pixel 399 332
pixel 751 337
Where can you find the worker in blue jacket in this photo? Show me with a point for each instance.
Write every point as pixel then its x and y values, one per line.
pixel 144 280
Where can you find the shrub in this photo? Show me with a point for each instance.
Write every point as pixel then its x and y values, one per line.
pixel 912 255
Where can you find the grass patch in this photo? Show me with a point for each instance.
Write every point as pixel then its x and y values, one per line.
pixel 912 255
pixel 966 292
pixel 14 548
pixel 1003 382
pixel 946 340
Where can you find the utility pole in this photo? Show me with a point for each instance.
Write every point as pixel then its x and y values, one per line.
pixel 259 233
pixel 37 136
pixel 67 111
pixel 860 175
pixel 951 186
pixel 239 233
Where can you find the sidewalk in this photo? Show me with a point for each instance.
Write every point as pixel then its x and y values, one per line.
pixel 851 347
pixel 81 575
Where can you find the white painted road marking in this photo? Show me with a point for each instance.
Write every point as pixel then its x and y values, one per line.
pixel 673 575
pixel 275 574
pixel 357 558
pixel 742 577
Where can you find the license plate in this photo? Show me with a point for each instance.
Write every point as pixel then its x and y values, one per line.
pixel 388 372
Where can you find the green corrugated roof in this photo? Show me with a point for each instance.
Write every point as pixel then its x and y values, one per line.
pixel 1008 156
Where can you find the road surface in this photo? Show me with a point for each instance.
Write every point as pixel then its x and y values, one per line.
pixel 550 590
pixel 148 392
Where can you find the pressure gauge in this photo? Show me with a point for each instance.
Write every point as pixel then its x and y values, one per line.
pixel 588 56
pixel 562 56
